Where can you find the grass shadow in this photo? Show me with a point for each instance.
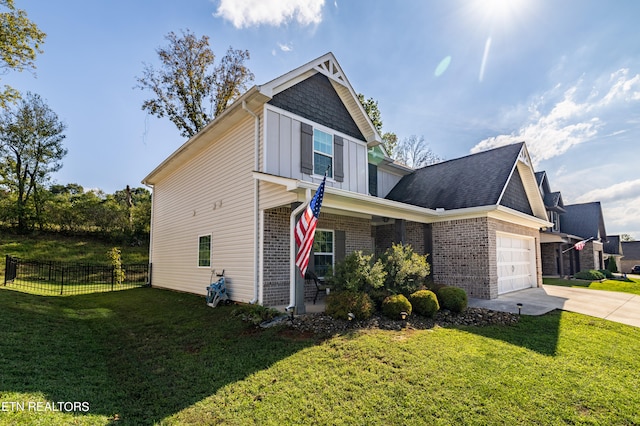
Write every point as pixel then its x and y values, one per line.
pixel 537 333
pixel 136 356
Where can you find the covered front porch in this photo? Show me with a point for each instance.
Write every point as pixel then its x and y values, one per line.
pixel 348 222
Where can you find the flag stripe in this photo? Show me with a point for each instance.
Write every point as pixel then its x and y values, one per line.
pixel 305 229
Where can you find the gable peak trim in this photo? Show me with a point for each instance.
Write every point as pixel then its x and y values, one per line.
pixel 332 70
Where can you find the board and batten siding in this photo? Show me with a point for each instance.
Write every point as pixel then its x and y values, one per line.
pixel 386 182
pixel 282 152
pixel 212 193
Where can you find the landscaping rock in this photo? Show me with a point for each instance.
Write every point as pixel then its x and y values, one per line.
pixel 324 325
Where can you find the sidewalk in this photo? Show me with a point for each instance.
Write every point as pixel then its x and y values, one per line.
pixel 614 306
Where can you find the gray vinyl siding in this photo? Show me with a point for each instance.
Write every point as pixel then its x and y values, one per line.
pixel 386 182
pixel 282 152
pixel 210 194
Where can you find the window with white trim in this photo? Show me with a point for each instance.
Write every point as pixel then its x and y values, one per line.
pixel 204 251
pixel 322 153
pixel 323 252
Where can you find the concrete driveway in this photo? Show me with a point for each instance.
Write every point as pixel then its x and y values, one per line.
pixel 614 306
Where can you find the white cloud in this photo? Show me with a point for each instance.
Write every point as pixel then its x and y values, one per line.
pixel 558 121
pixel 285 47
pixel 248 13
pixel 620 191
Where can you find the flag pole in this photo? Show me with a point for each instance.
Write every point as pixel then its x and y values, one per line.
pixel 574 246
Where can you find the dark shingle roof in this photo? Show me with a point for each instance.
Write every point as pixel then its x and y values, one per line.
pixel 539 176
pixel 631 250
pixel 612 245
pixel 583 220
pixel 471 181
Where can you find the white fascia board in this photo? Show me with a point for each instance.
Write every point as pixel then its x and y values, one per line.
pixel 513 216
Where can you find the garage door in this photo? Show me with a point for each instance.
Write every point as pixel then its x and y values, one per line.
pixel 516 263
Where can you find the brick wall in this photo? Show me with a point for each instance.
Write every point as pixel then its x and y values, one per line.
pixel 465 254
pixel 276 249
pixel 549 258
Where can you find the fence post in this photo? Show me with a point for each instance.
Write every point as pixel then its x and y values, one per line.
pixel 6 268
pixel 113 273
pixel 61 280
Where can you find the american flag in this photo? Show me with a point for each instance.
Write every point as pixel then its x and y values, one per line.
pixel 306 227
pixel 580 245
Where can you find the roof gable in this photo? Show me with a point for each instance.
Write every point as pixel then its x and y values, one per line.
pixel 475 180
pixel 315 99
pixel 328 66
pixel 515 195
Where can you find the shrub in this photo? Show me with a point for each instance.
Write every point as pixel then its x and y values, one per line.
pixel 607 273
pixel 612 266
pixel 590 275
pixel 393 305
pixel 424 302
pixel 357 272
pixel 453 299
pixel 406 270
pixel 341 303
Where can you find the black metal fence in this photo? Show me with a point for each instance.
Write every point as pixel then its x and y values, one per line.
pixel 60 278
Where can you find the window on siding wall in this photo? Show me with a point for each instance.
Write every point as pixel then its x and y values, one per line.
pixel 322 152
pixel 323 252
pixel 204 251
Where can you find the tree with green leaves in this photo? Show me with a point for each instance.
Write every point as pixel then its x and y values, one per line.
pixel 389 140
pixel 31 150
pixel 20 41
pixel 189 89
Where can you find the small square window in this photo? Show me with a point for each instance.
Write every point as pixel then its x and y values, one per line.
pixel 204 251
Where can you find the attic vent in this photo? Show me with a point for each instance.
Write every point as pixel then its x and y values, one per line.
pixel 331 70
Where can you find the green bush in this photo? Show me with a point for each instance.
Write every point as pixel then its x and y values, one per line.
pixel 406 270
pixel 341 303
pixel 424 302
pixel 357 272
pixel 607 273
pixel 612 266
pixel 393 305
pixel 452 298
pixel 590 275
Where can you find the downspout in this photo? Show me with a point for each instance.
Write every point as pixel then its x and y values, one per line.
pixel 153 202
pixel 256 208
pixel 292 250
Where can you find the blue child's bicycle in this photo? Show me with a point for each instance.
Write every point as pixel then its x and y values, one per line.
pixel 217 291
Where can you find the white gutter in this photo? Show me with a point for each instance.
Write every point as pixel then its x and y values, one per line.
pixel 292 250
pixel 256 209
pixel 153 202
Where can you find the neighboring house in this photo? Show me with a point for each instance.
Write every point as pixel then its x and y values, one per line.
pixel 227 198
pixel 631 251
pixel 587 222
pixel 613 252
pixel 572 224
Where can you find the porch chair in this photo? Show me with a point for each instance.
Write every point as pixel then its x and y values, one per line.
pixel 320 284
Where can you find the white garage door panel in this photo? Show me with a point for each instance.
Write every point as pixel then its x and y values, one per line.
pixel 516 263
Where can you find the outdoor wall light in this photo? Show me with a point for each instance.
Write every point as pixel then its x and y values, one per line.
pixel 519 305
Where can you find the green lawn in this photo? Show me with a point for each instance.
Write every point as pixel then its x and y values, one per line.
pixel 57 247
pixel 628 285
pixel 149 356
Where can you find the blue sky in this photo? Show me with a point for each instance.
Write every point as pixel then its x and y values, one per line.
pixel 564 76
